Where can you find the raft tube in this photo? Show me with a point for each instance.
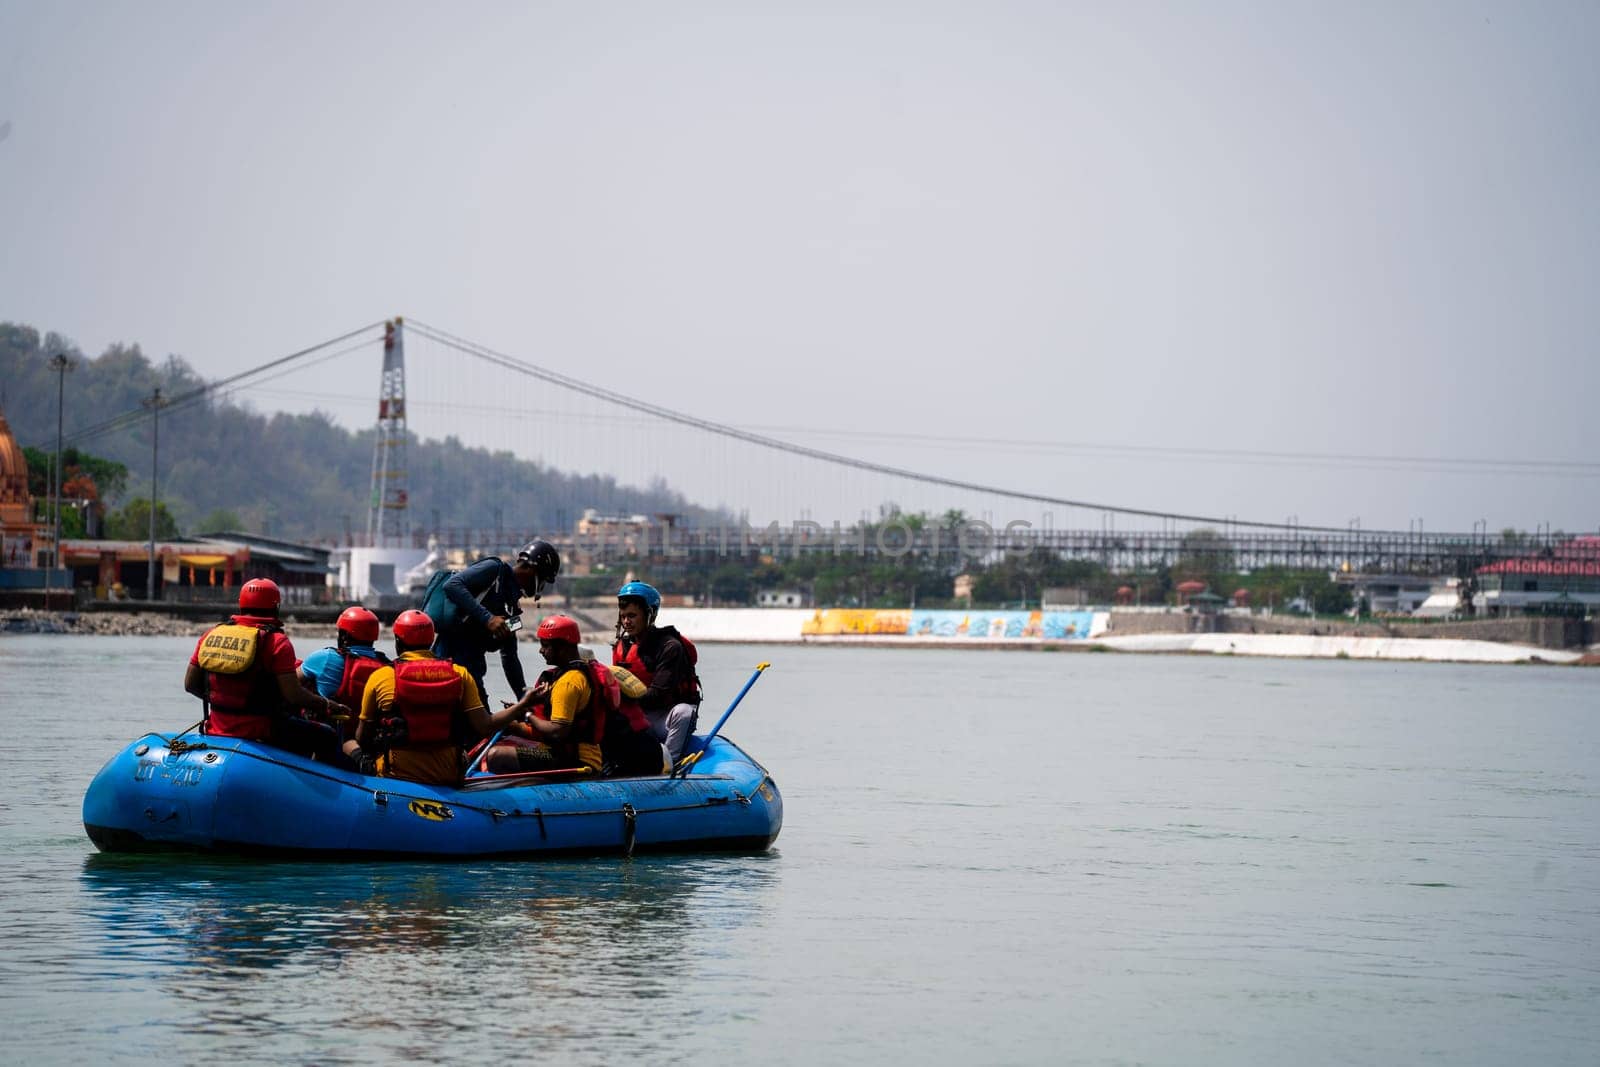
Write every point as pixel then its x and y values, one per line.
pixel 226 794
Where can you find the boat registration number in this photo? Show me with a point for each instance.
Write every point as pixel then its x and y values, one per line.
pixel 177 774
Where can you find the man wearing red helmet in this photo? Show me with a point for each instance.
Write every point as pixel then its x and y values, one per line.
pixel 416 712
pixel 340 672
pixel 575 716
pixel 244 671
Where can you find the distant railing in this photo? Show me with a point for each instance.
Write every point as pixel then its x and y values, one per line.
pixel 199 594
pixel 300 596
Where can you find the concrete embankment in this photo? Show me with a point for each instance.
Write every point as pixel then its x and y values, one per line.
pixel 1304 646
pixel 1148 632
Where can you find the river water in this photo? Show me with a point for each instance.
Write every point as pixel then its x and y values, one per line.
pixel 988 858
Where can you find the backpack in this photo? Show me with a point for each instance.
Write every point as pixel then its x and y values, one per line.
pixel 437 605
pixel 434 603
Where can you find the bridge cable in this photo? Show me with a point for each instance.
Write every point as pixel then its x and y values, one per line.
pixel 576 385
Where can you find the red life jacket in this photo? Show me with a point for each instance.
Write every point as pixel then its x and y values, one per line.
pixel 628 717
pixel 243 704
pixel 353 683
pixel 427 694
pixel 626 653
pixel 605 702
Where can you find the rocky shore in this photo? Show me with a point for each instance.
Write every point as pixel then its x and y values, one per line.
pixel 123 624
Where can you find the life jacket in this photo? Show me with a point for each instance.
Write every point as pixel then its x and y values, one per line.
pixel 427 694
pixel 626 653
pixel 238 682
pixel 627 717
pixel 353 682
pixel 605 706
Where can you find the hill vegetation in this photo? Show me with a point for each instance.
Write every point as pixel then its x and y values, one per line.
pixel 284 475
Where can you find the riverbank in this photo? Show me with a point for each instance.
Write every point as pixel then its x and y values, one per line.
pixel 128 624
pixel 751 626
pixel 1303 646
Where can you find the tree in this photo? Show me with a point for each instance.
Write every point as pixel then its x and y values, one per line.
pixel 218 520
pixel 1330 598
pixel 106 477
pixel 132 522
pixel 1204 554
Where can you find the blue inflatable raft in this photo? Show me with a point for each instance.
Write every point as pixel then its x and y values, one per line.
pixel 229 795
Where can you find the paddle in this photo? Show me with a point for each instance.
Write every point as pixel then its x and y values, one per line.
pixel 483 750
pixel 682 769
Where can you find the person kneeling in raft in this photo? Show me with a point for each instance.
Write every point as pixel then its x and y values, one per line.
pixel 575 716
pixel 417 711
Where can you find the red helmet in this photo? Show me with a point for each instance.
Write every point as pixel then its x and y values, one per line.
pixel 558 628
pixel 414 628
pixel 260 594
pixel 360 624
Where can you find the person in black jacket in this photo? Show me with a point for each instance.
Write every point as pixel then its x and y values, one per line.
pixel 664 660
pixel 476 609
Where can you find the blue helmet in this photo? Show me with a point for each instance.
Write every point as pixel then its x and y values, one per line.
pixel 641 591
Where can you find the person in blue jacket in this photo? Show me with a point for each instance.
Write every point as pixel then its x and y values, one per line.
pixel 340 672
pixel 476 609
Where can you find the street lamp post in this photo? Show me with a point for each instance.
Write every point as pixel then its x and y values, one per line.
pixel 153 402
pixel 60 364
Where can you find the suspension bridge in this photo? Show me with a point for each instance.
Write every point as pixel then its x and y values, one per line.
pixel 757 492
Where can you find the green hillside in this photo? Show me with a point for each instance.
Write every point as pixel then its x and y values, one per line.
pixel 292 476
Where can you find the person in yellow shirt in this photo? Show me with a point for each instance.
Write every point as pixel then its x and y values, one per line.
pixel 565 712
pixel 416 711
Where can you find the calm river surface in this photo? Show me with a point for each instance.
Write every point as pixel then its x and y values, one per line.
pixel 988 857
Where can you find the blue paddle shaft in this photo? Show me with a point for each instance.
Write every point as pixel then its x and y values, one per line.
pixel 483 753
pixel 717 728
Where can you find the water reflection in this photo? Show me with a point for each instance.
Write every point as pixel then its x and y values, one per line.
pixel 242 913
pixel 564 946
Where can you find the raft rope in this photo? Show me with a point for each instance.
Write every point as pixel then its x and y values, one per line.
pixel 178 747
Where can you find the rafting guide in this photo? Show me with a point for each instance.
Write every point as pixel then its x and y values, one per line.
pixel 477 610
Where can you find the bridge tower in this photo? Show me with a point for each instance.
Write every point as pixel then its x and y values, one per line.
pixel 388 517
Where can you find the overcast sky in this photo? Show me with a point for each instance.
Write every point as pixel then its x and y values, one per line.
pixel 1121 230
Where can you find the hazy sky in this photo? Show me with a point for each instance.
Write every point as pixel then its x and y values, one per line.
pixel 1121 230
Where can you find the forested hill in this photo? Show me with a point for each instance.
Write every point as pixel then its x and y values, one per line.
pixel 292 476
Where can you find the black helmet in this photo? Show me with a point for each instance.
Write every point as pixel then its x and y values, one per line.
pixel 543 558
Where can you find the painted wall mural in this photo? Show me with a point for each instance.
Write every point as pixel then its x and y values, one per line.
pixel 980 625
